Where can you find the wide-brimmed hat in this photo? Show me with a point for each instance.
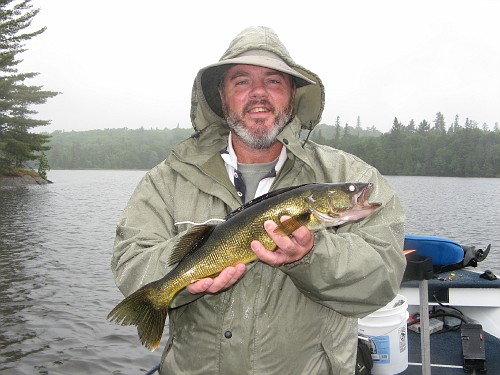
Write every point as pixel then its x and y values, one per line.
pixel 211 76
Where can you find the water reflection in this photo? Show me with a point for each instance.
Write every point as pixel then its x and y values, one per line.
pixel 16 279
pixel 462 209
pixel 56 286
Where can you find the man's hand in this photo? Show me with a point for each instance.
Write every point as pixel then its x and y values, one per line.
pixel 224 280
pixel 290 249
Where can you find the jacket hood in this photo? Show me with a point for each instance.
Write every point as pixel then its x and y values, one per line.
pixel 256 46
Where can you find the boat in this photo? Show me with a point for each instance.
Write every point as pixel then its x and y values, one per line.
pixel 453 311
pixel 465 308
pixel 457 308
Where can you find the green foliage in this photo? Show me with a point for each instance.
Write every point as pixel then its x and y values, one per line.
pixel 462 151
pixel 17 144
pixel 113 148
pixel 43 166
pixel 331 135
pixel 405 150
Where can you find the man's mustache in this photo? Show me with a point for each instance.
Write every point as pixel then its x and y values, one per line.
pixel 258 102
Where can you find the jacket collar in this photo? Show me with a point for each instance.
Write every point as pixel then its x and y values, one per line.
pixel 201 153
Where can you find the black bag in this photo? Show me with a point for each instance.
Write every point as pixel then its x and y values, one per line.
pixel 364 361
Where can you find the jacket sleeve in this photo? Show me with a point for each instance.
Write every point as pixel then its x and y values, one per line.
pixel 356 268
pixel 145 236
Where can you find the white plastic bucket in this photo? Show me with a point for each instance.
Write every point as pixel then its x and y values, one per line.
pixel 385 330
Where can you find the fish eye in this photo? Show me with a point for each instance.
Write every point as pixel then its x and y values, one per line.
pixel 351 188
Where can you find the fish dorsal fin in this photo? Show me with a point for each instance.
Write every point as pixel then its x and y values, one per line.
pixel 260 199
pixel 288 226
pixel 189 242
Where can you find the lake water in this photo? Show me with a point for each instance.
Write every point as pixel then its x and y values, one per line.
pixel 56 286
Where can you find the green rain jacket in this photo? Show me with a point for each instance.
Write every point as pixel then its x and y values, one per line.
pixel 300 318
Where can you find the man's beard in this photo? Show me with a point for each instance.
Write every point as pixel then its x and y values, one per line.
pixel 260 137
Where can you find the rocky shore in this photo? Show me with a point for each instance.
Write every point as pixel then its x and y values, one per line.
pixel 19 181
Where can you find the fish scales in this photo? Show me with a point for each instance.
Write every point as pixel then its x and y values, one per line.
pixel 210 249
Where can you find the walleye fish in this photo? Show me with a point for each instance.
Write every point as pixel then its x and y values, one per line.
pixel 205 250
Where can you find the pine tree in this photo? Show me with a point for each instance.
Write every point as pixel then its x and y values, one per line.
pixel 17 143
pixel 411 128
pixel 456 124
pixel 358 126
pixel 439 123
pixel 337 131
pixel 424 127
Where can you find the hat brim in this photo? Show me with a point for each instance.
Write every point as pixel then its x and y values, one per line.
pixel 211 76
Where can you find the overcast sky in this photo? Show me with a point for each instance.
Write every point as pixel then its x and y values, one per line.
pixel 122 63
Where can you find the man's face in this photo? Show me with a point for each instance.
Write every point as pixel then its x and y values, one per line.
pixel 257 103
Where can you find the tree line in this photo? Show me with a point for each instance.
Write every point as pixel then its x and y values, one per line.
pixel 112 148
pixel 460 150
pixel 17 144
pixel 463 151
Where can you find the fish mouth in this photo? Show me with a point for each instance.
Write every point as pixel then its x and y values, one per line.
pixel 360 199
pixel 360 207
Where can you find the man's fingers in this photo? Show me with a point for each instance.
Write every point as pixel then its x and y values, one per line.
pixel 224 280
pixel 240 270
pixel 266 256
pixel 200 286
pixel 290 248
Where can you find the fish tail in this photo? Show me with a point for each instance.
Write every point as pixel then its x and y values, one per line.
pixel 140 310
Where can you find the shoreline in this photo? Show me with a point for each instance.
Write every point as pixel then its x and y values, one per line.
pixel 22 180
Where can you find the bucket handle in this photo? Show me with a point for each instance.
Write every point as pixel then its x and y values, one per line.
pixel 407 315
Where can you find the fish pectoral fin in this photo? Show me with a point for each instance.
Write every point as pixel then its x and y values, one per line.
pixel 288 226
pixel 188 243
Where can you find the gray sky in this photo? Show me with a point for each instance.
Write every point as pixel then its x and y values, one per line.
pixel 122 63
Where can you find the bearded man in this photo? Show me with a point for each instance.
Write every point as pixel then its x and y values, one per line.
pixel 296 310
